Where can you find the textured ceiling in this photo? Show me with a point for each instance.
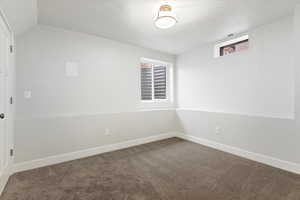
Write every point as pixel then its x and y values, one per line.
pixel 131 21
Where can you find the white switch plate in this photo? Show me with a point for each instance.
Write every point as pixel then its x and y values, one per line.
pixel 72 69
pixel 107 131
pixel 27 94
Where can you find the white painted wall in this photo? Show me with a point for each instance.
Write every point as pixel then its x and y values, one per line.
pixel 267 136
pixel 245 100
pixel 67 114
pixel 108 78
pixel 257 82
pixel 41 137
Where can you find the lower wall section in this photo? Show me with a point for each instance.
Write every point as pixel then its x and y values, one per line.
pixel 88 152
pixel 50 140
pixel 38 138
pixel 285 165
pixel 271 137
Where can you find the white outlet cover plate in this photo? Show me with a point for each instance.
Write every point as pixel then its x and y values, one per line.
pixel 27 94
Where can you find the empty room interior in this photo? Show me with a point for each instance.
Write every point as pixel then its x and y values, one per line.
pixel 149 100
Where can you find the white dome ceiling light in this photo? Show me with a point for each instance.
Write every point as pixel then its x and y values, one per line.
pixel 166 18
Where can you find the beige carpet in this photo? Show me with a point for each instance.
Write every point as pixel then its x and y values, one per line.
pixel 172 169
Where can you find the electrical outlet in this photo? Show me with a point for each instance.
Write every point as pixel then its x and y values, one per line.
pixel 107 131
pixel 27 94
pixel 217 129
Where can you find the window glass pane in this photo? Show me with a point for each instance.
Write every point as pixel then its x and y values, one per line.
pixel 146 81
pixel 235 47
pixel 160 82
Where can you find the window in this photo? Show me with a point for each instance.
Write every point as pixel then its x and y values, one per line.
pixel 232 46
pixel 154 81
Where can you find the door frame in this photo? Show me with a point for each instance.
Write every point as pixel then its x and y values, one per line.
pixel 10 92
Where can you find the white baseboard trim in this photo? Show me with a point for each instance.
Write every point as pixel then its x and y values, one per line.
pixel 268 160
pixel 3 179
pixel 52 160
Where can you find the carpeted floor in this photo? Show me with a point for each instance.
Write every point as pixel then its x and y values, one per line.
pixel 172 169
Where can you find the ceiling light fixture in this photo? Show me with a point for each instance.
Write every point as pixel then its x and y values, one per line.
pixel 166 18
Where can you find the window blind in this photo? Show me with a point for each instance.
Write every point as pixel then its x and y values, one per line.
pixel 153 82
pixel 160 82
pixel 146 82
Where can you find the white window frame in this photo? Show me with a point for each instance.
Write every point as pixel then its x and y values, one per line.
pixel 228 42
pixel 158 103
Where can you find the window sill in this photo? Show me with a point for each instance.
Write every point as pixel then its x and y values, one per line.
pixel 150 105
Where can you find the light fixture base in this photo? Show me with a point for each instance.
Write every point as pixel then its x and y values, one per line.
pixel 166 18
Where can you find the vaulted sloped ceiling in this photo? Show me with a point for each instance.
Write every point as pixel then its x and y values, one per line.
pixel 21 14
pixel 131 21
